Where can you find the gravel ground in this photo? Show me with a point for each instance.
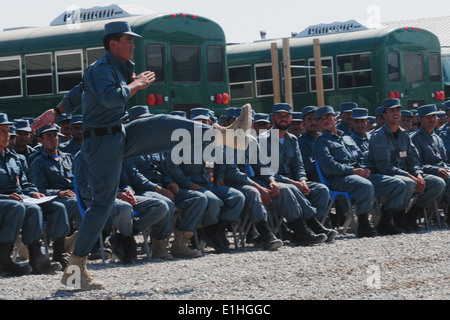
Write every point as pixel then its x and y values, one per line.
pixel 401 267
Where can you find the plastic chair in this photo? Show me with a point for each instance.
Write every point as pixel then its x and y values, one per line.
pixel 333 195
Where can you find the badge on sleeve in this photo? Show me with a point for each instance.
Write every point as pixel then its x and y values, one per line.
pixel 403 154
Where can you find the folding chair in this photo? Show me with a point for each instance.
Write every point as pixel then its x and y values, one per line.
pixel 82 208
pixel 333 195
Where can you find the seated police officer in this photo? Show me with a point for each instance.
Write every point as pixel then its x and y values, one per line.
pixel 392 153
pixel 359 125
pixel 312 196
pixel 14 185
pixel 431 151
pixel 74 144
pixel 224 205
pixel 345 125
pixel 296 127
pixel 51 172
pixel 306 140
pixel 345 166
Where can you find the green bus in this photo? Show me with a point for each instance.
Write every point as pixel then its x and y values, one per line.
pixel 446 70
pixel 362 66
pixel 38 66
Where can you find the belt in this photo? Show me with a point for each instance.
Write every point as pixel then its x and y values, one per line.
pixel 96 132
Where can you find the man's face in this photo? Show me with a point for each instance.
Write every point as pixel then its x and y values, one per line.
pixel 406 123
pixel 360 126
pixel 123 49
pixel 261 126
pixel 77 131
pixel 327 122
pixel 392 116
pixel 428 122
pixel 310 123
pixel 23 138
pixel 282 120
pixel 347 118
pixel 65 127
pixel 49 140
pixel 4 136
pixel 296 128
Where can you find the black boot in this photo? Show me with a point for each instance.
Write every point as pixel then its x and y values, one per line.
pixel 411 217
pixel 118 246
pixel 318 228
pixel 39 262
pixel 253 236
pixel 365 228
pixel 59 253
pixel 130 250
pixel 270 242
pixel 8 267
pixel 212 237
pixel 304 236
pixel 401 222
pixel 386 225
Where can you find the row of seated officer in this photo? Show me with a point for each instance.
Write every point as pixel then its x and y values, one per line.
pixel 212 196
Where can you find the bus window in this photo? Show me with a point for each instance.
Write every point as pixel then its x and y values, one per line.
pixel 264 82
pixel 434 66
pixel 240 82
pixel 413 67
pixel 39 74
pixel 155 61
pixel 10 77
pixel 298 76
pixel 354 71
pixel 393 66
pixel 327 74
pixel 94 54
pixel 185 64
pixel 69 70
pixel 215 60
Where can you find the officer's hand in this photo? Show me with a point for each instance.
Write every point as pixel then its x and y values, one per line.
pixel 66 194
pixel 15 196
pixel 37 195
pixel 145 79
pixel 274 189
pixel 165 192
pixel 196 187
pixel 360 172
pixel 44 119
pixel 303 187
pixel 443 173
pixel 174 188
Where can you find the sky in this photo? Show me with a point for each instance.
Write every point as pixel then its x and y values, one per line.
pixel 242 20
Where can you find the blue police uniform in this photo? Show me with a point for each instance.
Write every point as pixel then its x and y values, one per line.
pixel 291 167
pixel 14 180
pixel 397 156
pixel 432 153
pixel 147 172
pixel 51 175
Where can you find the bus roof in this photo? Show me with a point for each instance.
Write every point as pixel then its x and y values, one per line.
pixel 28 40
pixel 380 35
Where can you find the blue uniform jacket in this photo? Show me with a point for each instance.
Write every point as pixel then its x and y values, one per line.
pixel 290 159
pixel 50 175
pixel 393 156
pixel 12 176
pixel 338 154
pixel 431 151
pixel 305 143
